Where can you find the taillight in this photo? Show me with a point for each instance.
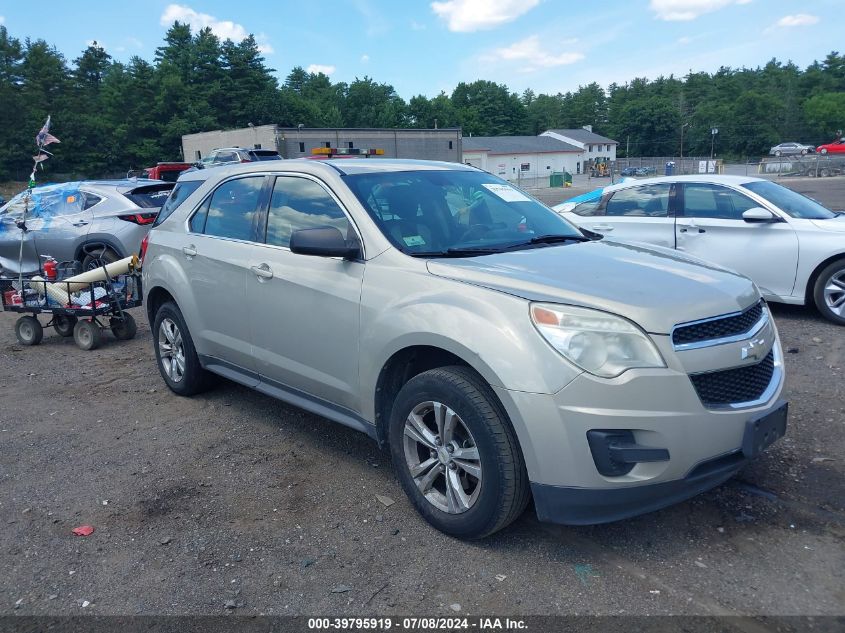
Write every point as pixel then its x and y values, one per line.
pixel 139 218
pixel 144 243
pixel 245 160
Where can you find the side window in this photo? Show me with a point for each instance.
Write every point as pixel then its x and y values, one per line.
pixel 714 201
pixel 651 201
pixel 197 222
pixel 588 208
pixel 90 200
pixel 177 196
pixel 232 208
pixel 299 203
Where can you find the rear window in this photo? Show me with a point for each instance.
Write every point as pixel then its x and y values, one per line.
pixel 149 197
pixel 177 196
pixel 264 154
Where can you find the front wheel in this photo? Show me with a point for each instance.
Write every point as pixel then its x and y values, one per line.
pixel 29 330
pixel 777 153
pixel 455 453
pixel 87 335
pixel 829 292
pixel 177 357
pixel 824 151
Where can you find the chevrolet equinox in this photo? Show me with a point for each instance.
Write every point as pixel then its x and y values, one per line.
pixel 497 351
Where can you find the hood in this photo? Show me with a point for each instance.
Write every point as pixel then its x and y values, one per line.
pixel 655 289
pixel 833 224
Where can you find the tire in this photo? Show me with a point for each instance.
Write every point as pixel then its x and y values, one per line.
pixel 824 151
pixel 28 330
pixel 87 335
pixel 804 152
pixel 124 329
pixel 488 503
pixel 778 153
pixel 98 259
pixel 187 378
pixel 824 173
pixel 64 325
pixel 829 292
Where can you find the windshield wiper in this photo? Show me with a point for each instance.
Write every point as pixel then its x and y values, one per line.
pixel 457 252
pixel 552 239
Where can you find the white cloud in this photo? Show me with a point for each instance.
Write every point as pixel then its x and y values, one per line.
pixel 530 53
pixel 365 58
pixel 799 19
pixel 2 20
pixel 224 29
pixel 321 68
pixel 465 16
pixel 686 10
pixel 416 26
pixel 684 40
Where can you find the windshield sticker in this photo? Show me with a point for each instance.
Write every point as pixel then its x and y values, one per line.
pixel 507 193
pixel 414 240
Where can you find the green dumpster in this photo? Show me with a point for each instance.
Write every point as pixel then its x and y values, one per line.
pixel 556 179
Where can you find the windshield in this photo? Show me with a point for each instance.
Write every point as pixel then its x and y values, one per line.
pixel 446 213
pixel 791 202
pixel 177 196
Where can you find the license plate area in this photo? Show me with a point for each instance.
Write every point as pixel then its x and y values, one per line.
pixel 762 432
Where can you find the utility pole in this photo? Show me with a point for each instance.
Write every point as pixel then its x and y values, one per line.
pixel 713 132
pixel 627 143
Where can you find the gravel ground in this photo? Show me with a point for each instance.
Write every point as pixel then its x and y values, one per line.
pixel 232 499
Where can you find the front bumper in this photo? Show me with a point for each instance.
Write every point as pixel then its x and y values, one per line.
pixel 657 408
pixel 588 506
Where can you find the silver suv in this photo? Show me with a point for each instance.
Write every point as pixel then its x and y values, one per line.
pixel 495 349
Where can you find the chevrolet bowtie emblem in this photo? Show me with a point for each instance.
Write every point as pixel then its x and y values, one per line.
pixel 754 349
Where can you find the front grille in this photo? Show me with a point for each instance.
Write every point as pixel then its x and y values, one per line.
pixel 718 328
pixel 734 386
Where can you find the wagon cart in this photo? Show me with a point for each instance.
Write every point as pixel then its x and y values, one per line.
pixel 78 309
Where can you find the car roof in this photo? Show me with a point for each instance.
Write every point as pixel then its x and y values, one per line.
pixel 347 166
pixel 714 179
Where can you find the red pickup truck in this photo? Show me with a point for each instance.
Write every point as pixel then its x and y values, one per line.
pixel 166 171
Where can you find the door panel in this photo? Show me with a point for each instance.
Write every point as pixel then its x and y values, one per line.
pixel 711 227
pixel 635 214
pixel 305 309
pixel 216 256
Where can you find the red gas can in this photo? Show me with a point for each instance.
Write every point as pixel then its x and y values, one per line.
pixel 51 269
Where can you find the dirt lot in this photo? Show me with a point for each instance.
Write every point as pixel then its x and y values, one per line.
pixel 234 497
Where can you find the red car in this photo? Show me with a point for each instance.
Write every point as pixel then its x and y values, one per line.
pixel 837 147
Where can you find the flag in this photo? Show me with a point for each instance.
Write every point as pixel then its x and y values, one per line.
pixel 44 138
pixel 41 156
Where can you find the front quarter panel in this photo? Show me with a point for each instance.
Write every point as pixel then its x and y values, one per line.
pixel 403 305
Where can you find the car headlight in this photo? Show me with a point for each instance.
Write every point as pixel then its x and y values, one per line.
pixel 603 344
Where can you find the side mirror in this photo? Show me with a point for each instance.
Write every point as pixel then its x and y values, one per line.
pixel 324 241
pixel 759 215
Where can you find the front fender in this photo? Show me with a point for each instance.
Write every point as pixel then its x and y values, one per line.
pixel 489 330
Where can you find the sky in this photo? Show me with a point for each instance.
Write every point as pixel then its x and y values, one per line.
pixel 424 47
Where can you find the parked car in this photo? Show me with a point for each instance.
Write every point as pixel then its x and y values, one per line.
pixel 166 171
pixel 791 149
pixel 92 222
pixel 836 147
pixel 497 351
pixel 637 171
pixel 792 247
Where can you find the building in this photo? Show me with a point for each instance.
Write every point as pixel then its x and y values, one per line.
pixel 440 144
pixel 520 158
pixel 591 144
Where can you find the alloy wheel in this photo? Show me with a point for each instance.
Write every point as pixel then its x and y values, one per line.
pixel 442 457
pixel 834 293
pixel 171 350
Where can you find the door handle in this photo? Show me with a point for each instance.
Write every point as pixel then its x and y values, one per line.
pixel 82 223
pixel 262 271
pixel 692 229
pixel 189 251
pixel 603 227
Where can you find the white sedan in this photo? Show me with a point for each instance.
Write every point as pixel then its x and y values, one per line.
pixel 792 247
